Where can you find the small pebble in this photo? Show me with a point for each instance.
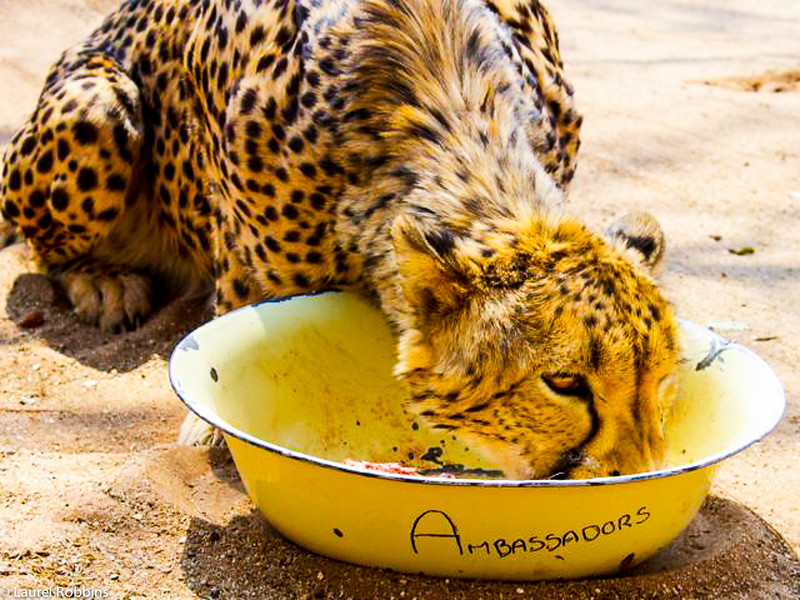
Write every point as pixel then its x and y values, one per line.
pixel 32 319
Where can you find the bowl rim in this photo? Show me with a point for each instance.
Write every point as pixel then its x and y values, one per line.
pixel 188 343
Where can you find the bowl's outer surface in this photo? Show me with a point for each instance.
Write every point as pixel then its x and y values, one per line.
pixel 302 384
pixel 469 531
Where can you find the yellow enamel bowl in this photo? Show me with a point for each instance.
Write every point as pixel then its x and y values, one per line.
pixel 299 386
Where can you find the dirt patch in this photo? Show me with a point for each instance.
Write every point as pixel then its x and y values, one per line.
pixel 772 81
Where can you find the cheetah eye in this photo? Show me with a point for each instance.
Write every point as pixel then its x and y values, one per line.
pixel 568 384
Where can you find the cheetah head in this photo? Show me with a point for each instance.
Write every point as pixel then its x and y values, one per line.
pixel 546 346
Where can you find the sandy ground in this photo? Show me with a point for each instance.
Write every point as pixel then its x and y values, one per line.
pixel 692 112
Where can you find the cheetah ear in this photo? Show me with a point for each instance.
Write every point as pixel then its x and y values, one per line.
pixel 640 232
pixel 436 280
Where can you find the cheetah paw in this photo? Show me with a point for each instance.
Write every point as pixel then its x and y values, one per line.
pixel 197 432
pixel 114 303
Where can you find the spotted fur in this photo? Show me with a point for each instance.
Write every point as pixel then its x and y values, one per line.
pixel 416 151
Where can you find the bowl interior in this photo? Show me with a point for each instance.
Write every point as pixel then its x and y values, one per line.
pixel 312 376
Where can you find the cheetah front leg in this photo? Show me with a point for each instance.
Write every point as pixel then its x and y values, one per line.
pixel 234 288
pixel 69 176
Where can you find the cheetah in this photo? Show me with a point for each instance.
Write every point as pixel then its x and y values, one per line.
pixel 418 152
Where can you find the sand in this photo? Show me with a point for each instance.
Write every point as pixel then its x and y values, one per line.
pixel 692 112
